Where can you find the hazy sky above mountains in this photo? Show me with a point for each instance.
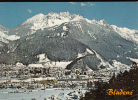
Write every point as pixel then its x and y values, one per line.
pixel 121 14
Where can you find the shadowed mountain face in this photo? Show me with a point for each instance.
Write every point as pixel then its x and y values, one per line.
pixel 67 40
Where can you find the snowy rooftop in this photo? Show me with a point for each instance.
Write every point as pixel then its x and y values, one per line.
pixel 35 65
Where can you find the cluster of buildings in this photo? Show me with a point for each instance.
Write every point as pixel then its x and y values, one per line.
pixel 36 73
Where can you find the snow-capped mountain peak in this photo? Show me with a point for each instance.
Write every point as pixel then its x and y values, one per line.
pixel 35 18
pixel 102 22
pixel 41 21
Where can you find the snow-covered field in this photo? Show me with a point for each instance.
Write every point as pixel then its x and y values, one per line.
pixel 38 95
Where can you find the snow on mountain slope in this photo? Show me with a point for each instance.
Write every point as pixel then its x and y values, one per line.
pixel 119 65
pixel 126 33
pixel 4 37
pixel 132 59
pixel 87 52
pixel 43 58
pixel 13 37
pixel 103 62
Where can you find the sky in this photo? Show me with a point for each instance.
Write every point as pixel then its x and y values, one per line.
pixel 121 14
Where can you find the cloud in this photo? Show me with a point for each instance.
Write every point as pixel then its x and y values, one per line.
pixel 91 4
pixel 83 4
pixel 73 3
pixel 87 4
pixel 29 10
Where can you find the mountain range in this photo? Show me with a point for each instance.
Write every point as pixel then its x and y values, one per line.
pixel 63 38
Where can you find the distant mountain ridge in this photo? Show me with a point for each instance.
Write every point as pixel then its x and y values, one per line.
pixel 62 37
